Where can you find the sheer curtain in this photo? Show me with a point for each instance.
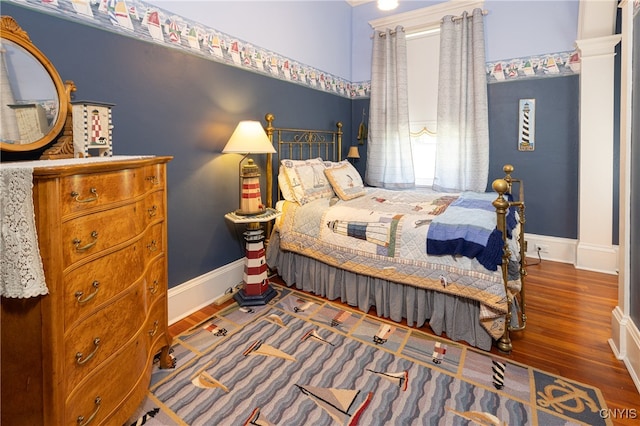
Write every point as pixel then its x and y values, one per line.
pixel 389 158
pixel 462 158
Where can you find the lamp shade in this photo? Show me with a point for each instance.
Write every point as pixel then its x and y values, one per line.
pixel 249 137
pixel 353 152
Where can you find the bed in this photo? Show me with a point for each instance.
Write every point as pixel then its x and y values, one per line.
pixel 413 255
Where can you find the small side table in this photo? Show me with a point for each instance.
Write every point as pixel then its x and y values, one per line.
pixel 256 289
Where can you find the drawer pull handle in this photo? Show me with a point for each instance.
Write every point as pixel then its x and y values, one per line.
pixel 153 289
pixel 79 355
pixel 155 328
pixel 152 246
pixel 81 421
pixel 152 211
pixel 79 294
pixel 153 179
pixel 76 196
pixel 76 242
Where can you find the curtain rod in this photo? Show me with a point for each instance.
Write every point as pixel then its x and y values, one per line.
pixel 392 32
pixel 453 19
pixel 457 18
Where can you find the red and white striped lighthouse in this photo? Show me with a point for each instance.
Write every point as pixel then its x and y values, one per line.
pixel 250 197
pixel 255 287
pixel 256 281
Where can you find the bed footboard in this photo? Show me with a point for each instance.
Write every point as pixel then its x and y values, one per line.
pixel 506 200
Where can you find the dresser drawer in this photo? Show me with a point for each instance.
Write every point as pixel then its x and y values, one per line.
pixel 156 325
pixel 99 336
pixel 155 282
pixel 87 191
pixel 90 234
pixel 106 390
pixel 153 242
pixel 152 208
pixel 93 233
pixel 94 283
pixel 153 177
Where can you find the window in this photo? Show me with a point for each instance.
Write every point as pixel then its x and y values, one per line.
pixel 423 50
pixel 422 28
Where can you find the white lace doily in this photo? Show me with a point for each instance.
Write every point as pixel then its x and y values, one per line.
pixel 21 271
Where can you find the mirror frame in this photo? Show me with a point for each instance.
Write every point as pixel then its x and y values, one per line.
pixel 10 30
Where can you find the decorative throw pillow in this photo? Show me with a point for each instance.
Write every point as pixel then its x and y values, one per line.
pixel 285 189
pixel 345 180
pixel 306 179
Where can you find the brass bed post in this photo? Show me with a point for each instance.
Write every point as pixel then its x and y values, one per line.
pixel 269 129
pixel 520 204
pixel 501 205
pixel 523 269
pixel 269 201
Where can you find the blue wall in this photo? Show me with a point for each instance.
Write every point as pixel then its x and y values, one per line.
pixel 172 103
pixel 550 172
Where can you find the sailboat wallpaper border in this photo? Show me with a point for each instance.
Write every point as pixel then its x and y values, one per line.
pixel 135 18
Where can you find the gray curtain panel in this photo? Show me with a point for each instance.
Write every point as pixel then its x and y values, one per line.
pixel 389 158
pixel 462 159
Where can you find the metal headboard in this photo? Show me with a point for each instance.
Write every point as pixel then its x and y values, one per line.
pixel 299 144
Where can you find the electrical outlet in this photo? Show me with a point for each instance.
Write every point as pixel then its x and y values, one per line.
pixel 542 248
pixel 228 295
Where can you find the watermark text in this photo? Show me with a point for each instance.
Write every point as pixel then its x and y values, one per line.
pixel 619 413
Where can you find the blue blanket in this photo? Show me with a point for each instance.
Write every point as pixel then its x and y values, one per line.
pixel 468 228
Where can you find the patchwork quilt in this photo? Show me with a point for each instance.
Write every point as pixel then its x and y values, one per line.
pixel 384 234
pixel 468 228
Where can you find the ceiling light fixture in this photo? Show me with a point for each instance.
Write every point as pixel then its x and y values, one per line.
pixel 387 4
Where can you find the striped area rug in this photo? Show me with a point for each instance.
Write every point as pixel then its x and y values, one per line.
pixel 305 361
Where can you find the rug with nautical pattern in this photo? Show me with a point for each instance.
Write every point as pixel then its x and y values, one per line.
pixel 301 360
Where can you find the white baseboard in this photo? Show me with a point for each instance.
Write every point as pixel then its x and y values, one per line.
pixel 625 343
pixel 582 256
pixel 201 291
pixel 598 258
pixel 557 249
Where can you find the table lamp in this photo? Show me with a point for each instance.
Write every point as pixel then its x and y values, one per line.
pixel 353 153
pixel 249 137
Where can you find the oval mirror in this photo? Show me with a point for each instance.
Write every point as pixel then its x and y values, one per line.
pixel 33 99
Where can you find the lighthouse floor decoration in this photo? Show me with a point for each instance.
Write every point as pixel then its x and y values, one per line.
pixel 92 128
pixel 255 289
pixel 249 137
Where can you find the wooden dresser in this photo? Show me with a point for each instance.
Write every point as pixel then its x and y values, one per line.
pixel 82 355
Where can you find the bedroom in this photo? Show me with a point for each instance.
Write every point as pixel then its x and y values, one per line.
pixel 205 100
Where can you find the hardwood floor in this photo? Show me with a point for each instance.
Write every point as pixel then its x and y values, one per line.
pixel 568 327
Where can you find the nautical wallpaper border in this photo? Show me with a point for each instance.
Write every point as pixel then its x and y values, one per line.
pixel 135 18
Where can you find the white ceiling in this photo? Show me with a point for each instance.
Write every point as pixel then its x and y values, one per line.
pixel 354 3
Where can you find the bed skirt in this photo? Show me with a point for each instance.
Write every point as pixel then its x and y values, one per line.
pixel 455 316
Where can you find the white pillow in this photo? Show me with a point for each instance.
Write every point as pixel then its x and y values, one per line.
pixel 345 180
pixel 285 189
pixel 306 180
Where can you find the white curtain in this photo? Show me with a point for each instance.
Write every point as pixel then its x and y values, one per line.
pixel 462 158
pixel 389 158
